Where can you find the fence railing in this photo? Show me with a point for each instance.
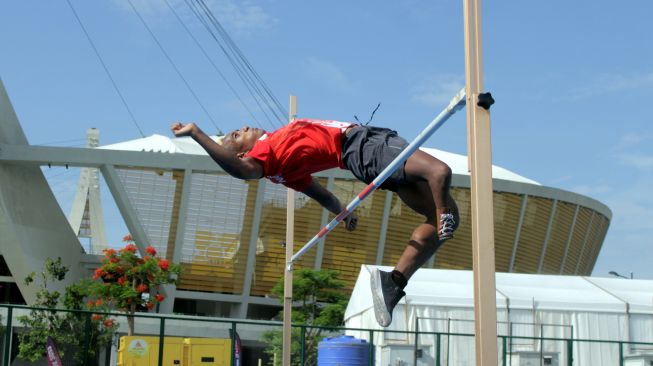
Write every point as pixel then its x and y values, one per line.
pixel 261 341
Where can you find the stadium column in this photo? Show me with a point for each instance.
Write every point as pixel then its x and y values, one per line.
pixel 569 239
pixel 324 220
pixel 520 223
pixel 547 236
pixel 380 249
pixel 177 229
pixel 480 164
pixel 32 226
pixel 582 249
pixel 240 310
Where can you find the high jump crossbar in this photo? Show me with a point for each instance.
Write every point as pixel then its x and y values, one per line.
pixel 456 103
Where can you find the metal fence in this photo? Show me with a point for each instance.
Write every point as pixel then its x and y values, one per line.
pixel 384 347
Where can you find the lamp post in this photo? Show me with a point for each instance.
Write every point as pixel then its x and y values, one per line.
pixel 622 276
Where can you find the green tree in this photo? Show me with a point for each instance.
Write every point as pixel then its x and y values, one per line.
pixel 318 300
pixel 128 281
pixel 69 330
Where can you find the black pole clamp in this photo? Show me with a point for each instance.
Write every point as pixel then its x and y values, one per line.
pixel 485 100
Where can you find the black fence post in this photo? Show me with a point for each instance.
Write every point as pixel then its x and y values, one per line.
pixel 87 334
pixel 233 343
pixel 437 349
pixel 302 344
pixel 371 358
pixel 570 352
pixel 8 332
pixel 504 344
pixel 162 329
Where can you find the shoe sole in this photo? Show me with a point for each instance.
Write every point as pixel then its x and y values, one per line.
pixel 383 317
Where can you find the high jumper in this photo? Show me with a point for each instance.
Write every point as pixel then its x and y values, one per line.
pixel 290 154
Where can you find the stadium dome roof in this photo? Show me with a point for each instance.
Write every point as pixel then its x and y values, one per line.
pixel 186 145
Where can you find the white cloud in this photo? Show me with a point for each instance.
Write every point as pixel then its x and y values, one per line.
pixel 326 73
pixel 632 205
pixel 628 151
pixel 559 180
pixel 625 252
pixel 630 140
pixel 639 161
pixel 591 190
pixel 629 243
pixel 438 90
pixel 611 83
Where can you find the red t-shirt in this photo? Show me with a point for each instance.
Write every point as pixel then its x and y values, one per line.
pixel 292 153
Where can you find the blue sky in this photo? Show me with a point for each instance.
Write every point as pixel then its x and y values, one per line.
pixel 573 81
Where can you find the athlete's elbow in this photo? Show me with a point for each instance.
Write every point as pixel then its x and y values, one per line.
pixel 246 173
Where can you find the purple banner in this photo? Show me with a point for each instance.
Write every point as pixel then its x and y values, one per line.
pixel 237 348
pixel 52 353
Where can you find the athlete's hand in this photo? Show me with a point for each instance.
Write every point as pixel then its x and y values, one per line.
pixel 351 222
pixel 180 129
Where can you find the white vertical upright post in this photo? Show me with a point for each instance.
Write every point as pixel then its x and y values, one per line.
pixel 287 288
pixel 480 165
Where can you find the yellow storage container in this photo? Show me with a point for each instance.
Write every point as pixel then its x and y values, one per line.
pixel 144 351
pixel 207 351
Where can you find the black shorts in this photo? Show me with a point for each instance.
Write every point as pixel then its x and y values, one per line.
pixel 367 150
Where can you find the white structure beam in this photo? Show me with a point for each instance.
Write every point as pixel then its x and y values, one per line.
pixel 80 157
pixel 167 307
pixel 253 241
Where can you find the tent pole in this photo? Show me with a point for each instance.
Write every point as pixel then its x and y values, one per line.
pixel 287 288
pixel 480 165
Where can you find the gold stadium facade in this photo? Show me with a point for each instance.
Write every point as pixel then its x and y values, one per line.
pixel 229 234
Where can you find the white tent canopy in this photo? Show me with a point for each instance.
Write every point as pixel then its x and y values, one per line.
pixel 527 305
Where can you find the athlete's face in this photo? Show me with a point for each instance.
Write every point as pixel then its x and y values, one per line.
pixel 243 139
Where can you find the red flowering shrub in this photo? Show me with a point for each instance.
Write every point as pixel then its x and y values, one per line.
pixel 130 279
pixel 164 264
pixel 142 288
pixel 104 319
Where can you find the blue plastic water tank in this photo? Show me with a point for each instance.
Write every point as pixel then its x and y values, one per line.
pixel 343 351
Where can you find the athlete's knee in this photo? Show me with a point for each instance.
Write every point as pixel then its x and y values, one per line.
pixel 425 237
pixel 440 172
pixel 443 170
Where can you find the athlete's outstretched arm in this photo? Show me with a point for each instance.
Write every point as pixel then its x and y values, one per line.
pixel 329 201
pixel 238 167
